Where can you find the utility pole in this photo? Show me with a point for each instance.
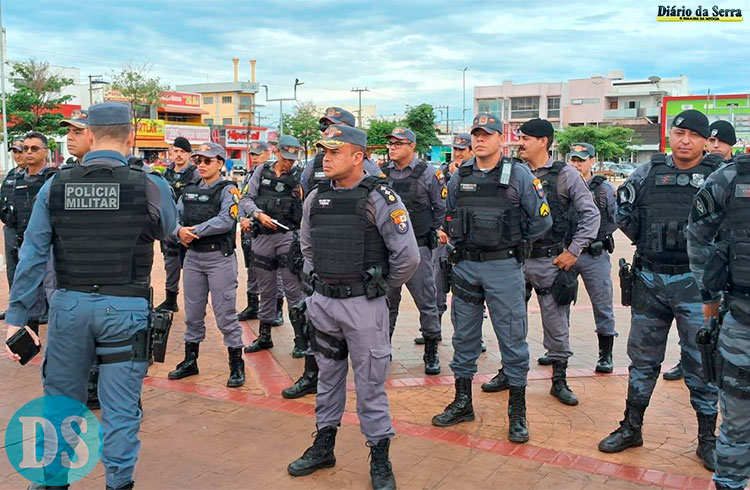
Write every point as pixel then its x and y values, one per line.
pixel 93 82
pixel 463 114
pixel 359 113
pixel 447 115
pixel 297 83
pixel 2 88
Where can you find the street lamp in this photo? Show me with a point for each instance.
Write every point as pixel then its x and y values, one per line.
pixel 297 83
pixel 463 114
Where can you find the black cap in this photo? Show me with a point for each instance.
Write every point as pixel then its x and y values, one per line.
pixel 538 128
pixel 182 143
pixel 724 131
pixel 692 120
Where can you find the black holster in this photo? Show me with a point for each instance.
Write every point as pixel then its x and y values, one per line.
pixel 707 340
pixel 627 280
pixel 375 283
pixel 296 260
pixel 298 318
pixel 446 267
pixel 246 241
pixel 609 243
pixel 564 289
pixel 160 324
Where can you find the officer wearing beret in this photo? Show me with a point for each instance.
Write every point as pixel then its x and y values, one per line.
pixel 722 203
pixel 274 201
pixel 103 250
pixel 721 139
pixel 208 213
pixel 6 213
pixel 357 242
pixel 494 211
pixel 179 174
pixel 653 206
pixel 422 189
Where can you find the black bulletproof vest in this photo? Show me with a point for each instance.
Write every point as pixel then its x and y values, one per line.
pixel 102 234
pixel 317 175
pixel 484 218
pixel 276 197
pixel 202 204
pixel 420 213
pixel 663 206
pixel 738 224
pixel 558 208
pixel 598 191
pixel 6 191
pixel 344 242
pixel 178 181
pixel 24 195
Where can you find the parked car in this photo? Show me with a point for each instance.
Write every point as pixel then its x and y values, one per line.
pixel 239 168
pixel 622 170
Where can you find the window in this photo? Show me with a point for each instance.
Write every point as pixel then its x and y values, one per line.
pixel 490 106
pixel 612 104
pixel 208 99
pixel 244 121
pixel 631 104
pixel 524 107
pixel 208 121
pixel 226 99
pixel 553 107
pixel 227 121
pixel 244 103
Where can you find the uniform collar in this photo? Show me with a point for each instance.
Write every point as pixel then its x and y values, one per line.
pixel 334 187
pixel 412 164
pixel 108 154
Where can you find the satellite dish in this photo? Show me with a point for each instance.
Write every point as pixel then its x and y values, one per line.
pixel 654 79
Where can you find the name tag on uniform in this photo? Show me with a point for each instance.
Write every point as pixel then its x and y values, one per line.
pixel 468 187
pixel 265 182
pixel 191 196
pixel 320 175
pixel 92 197
pixel 666 179
pixel 742 190
pixel 324 203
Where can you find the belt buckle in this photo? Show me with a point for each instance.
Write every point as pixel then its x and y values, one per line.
pixel 348 291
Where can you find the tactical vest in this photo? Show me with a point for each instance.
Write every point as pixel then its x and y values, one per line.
pixel 276 197
pixel 344 242
pixel 178 181
pixel 663 206
pixel 484 218
pixel 102 234
pixel 202 204
pixel 738 224
pixel 24 194
pixel 317 175
pixel 558 208
pixel 6 197
pixel 420 213
pixel 598 191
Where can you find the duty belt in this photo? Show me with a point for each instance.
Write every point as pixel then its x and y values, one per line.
pixel 482 256
pixel 126 290
pixel 553 251
pixel 205 247
pixel 657 268
pixel 340 290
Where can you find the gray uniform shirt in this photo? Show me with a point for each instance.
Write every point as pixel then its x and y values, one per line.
pixel 222 222
pixel 429 188
pixel 607 191
pixel 249 208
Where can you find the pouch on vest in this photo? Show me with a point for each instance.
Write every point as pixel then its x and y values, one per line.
pixel 716 273
pixel 456 225
pixel 565 288
pixel 486 229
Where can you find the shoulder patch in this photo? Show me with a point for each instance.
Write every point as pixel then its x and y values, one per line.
pixel 538 188
pixel 236 194
pixel 544 209
pixel 626 194
pixel 400 221
pixel 234 211
pixel 444 193
pixel 439 175
pixel 387 193
pixel 703 205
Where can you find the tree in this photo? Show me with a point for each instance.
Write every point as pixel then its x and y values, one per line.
pixel 140 90
pixel 303 124
pixel 611 142
pixel 36 95
pixel 421 120
pixel 379 132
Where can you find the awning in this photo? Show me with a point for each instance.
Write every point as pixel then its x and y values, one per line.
pixel 182 110
pixel 152 145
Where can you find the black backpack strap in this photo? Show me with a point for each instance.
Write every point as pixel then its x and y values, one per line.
pixel 743 163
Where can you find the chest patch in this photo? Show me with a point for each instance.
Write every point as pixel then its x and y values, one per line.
pixel 468 187
pixel 742 190
pixel 92 197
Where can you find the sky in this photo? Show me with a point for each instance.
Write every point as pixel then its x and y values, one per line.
pixel 405 53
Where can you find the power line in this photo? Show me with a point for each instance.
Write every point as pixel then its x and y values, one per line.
pixel 359 112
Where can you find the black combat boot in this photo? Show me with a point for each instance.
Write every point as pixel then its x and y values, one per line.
pixel 251 312
pixel 307 383
pixel 604 364
pixel 124 486
pixel 420 340
pixel 707 440
pixel 498 383
pixel 518 428
pixel 544 361
pixel 2 315
pixel 170 304
pixel 236 368
pixel 381 472
pixel 92 400
pixel 460 410
pixel 560 388
pixel 188 367
pixel 431 358
pixel 628 434
pixel 279 320
pixel 674 374
pixel 319 455
pixel 263 341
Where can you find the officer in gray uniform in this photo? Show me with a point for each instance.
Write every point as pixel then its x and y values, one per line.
pixel 723 203
pixel 494 212
pixel 653 206
pixel 7 212
pixel 208 213
pixel 103 250
pixel 274 201
pixel 593 264
pixel 357 242
pixel 550 256
pixel 422 190
pixel 721 139
pixel 179 174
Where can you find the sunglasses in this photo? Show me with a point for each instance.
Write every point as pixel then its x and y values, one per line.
pixel 205 160
pixel 32 149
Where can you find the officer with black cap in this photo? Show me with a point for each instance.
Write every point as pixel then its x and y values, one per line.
pixel 721 139
pixel 103 250
pixel 494 211
pixel 7 212
pixel 653 206
pixel 180 173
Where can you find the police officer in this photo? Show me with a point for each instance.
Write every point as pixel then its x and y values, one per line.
pixel 653 206
pixel 208 214
pixel 722 203
pixel 274 201
pixel 593 264
pixel 354 227
pixel 100 310
pixel 494 211
pixel 7 213
pixel 721 139
pixel 75 136
pixel 550 255
pixel 179 174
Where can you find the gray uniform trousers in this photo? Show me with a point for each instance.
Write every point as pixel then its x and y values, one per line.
pixel 440 252
pixel 363 324
pixel 205 272
pixel 657 300
pixel 172 266
pixel 9 242
pixel 422 289
pixel 733 444
pixel 596 275
pixel 274 246
pixel 541 273
pixel 504 294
